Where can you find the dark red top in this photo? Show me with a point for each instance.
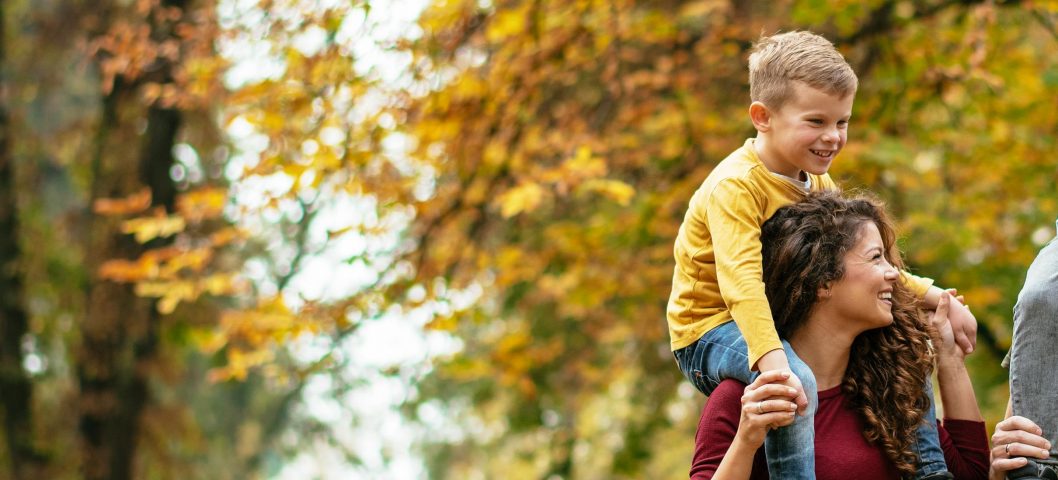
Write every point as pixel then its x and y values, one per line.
pixel 840 447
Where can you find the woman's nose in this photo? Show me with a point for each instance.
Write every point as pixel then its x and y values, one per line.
pixel 891 273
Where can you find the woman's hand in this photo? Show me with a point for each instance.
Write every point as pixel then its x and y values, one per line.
pixel 1015 438
pixel 766 404
pixel 944 341
pixel 956 389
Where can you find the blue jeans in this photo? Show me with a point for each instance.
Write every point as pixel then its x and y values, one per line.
pixel 722 353
pixel 1033 358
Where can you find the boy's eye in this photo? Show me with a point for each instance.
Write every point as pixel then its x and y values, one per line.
pixel 815 121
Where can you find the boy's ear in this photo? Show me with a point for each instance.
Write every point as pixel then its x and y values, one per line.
pixel 760 116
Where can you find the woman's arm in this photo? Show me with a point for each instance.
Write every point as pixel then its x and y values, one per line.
pixel 726 449
pixel 963 435
pixel 956 391
pixel 965 445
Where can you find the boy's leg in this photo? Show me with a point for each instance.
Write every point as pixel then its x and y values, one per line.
pixel 722 353
pixel 791 449
pixel 1033 357
pixel 927 443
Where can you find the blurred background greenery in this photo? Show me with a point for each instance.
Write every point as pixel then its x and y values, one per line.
pixel 411 239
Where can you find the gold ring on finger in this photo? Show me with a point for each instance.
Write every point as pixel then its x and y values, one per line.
pixel 1006 449
pixel 760 410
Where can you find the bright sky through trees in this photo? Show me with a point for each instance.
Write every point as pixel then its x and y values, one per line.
pixel 366 420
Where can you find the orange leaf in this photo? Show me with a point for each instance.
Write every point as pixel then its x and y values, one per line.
pixel 135 203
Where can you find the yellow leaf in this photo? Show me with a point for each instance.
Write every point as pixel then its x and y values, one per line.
pixel 125 271
pixel 225 236
pixel 294 170
pixel 584 165
pixel 507 24
pixel 201 204
pixel 171 293
pixel 148 228
pixel 194 260
pixel 523 198
pixel 152 289
pixel 208 341
pixel 220 284
pixel 446 323
pixel 239 364
pixel 615 190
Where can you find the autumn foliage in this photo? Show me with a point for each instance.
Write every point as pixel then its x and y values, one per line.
pixel 508 175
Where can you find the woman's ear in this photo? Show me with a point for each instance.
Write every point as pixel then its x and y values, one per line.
pixel 760 116
pixel 824 292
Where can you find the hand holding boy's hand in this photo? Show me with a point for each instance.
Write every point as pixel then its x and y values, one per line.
pixel 776 360
pixel 963 323
pixel 765 406
pixel 944 340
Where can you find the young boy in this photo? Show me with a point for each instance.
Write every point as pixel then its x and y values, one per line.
pixel 802 91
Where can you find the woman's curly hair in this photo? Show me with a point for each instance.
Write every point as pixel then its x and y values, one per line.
pixel 804 246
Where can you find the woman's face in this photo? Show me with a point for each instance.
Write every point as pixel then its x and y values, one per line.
pixel 865 294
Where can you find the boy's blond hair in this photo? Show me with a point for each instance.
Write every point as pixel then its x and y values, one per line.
pixel 779 60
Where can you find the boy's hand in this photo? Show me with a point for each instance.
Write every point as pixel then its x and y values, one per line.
pixel 963 323
pixel 800 398
pixel 776 360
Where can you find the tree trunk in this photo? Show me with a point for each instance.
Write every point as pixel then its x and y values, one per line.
pixel 112 310
pixel 120 331
pixel 16 390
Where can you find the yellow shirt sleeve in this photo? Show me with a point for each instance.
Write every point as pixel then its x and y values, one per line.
pixel 735 217
pixel 918 285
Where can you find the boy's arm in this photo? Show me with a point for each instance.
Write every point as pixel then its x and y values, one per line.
pixel 962 320
pixel 734 220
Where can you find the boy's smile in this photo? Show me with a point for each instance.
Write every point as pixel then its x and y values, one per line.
pixel 805 134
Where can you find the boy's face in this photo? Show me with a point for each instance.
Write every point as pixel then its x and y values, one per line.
pixel 805 134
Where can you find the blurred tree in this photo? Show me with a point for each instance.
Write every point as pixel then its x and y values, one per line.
pixel 113 192
pixel 16 390
pixel 142 51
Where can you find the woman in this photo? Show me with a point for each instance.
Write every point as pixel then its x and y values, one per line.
pixel 831 270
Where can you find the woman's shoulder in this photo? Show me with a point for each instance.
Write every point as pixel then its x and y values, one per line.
pixel 728 390
pixel 724 404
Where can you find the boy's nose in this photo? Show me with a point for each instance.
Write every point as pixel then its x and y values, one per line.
pixel 831 135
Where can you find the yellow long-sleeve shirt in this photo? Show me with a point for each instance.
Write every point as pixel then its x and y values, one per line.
pixel 718 263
